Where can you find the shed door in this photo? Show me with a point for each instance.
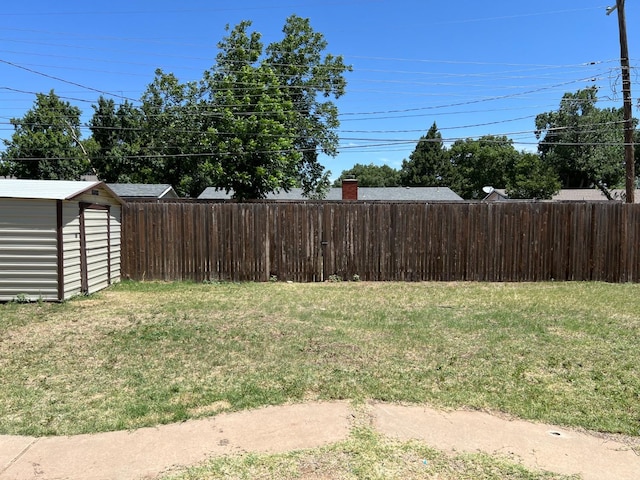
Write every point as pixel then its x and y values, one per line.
pixel 96 255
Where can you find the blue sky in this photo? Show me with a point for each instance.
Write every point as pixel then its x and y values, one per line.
pixel 475 68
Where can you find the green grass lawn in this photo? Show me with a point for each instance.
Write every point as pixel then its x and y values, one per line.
pixel 141 354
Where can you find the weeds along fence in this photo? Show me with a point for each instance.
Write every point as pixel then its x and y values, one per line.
pixel 316 241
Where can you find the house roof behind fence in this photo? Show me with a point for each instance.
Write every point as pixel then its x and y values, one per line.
pixel 591 194
pixel 143 190
pixel 46 189
pixel 409 194
pixel 413 194
pixel 573 194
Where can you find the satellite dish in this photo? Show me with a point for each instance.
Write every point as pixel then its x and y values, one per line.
pixel 488 189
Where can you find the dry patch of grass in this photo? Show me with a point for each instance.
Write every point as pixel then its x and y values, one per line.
pixel 212 409
pixel 140 354
pixel 365 454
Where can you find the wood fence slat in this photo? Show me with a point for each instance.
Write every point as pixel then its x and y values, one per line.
pixel 309 241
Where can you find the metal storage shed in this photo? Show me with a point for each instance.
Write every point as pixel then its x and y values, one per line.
pixel 57 238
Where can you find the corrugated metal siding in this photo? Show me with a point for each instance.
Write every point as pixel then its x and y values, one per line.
pixel 97 249
pixel 71 241
pixel 115 227
pixel 28 249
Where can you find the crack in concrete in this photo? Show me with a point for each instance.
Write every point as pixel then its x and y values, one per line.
pixel 14 460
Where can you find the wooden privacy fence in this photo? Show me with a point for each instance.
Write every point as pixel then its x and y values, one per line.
pixel 311 241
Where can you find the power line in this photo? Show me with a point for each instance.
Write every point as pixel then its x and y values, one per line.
pixel 591 128
pixel 469 102
pixel 265 7
pixel 64 81
pixel 378 112
pixel 158 11
pixel 240 87
pixel 522 15
pixel 120 52
pixel 362 148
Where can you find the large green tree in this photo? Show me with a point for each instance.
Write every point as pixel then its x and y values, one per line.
pixel 311 78
pixel 371 176
pixel 529 177
pixel 470 165
pixel 428 165
pixel 252 137
pixel 117 142
pixel 254 123
pixel 175 132
pixel 479 163
pixel 162 141
pixel 582 142
pixel 46 142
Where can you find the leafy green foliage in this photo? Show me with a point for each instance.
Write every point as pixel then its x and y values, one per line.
pixel 580 147
pixel 469 165
pixel 252 124
pixel 583 142
pixel 254 142
pixel 176 135
pixel 429 164
pixel 479 163
pixel 307 76
pixel 371 176
pixel 117 136
pixel 46 142
pixel 530 177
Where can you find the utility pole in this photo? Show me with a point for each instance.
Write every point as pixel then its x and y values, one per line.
pixel 626 96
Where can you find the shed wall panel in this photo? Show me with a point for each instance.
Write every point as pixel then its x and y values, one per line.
pixel 28 249
pixel 71 246
pixel 115 231
pixel 97 249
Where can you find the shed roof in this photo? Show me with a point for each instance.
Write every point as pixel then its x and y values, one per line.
pixel 411 194
pixel 47 189
pixel 143 190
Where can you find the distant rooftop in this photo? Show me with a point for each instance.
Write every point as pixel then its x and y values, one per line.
pixel 143 190
pixel 592 194
pixel 572 194
pixel 408 194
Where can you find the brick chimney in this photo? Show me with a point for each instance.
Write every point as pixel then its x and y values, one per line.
pixel 349 189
